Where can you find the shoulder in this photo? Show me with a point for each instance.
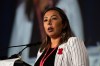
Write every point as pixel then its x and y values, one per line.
pixel 71 39
pixel 74 41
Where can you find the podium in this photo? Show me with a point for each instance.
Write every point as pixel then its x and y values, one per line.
pixel 13 62
pixel 21 63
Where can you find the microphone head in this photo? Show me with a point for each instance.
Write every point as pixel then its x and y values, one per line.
pixel 33 44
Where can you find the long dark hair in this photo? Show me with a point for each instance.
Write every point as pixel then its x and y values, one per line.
pixel 66 31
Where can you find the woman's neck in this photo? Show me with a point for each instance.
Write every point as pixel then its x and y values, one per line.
pixel 54 42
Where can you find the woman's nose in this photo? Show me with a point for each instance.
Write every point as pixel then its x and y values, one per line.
pixel 49 22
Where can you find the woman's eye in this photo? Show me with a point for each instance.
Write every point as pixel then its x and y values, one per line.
pixel 44 20
pixel 54 18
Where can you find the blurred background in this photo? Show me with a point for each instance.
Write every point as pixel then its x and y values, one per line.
pixel 21 24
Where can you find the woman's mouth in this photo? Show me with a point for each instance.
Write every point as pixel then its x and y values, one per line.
pixel 50 29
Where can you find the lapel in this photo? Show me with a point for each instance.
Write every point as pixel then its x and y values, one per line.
pixel 59 55
pixel 38 55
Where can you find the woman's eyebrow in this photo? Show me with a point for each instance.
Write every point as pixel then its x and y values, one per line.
pixel 51 16
pixel 45 17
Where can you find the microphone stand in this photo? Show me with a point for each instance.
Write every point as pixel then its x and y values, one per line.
pixel 19 61
pixel 18 54
pixel 17 46
pixel 27 45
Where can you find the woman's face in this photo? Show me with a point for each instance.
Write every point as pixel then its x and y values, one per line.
pixel 52 23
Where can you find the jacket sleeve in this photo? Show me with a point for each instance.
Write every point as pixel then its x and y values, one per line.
pixel 79 55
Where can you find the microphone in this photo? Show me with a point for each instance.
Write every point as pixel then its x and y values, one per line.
pixel 33 44
pixel 27 45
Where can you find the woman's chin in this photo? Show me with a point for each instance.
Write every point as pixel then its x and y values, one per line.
pixel 52 36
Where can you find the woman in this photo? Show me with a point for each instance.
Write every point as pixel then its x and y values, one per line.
pixel 60 48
